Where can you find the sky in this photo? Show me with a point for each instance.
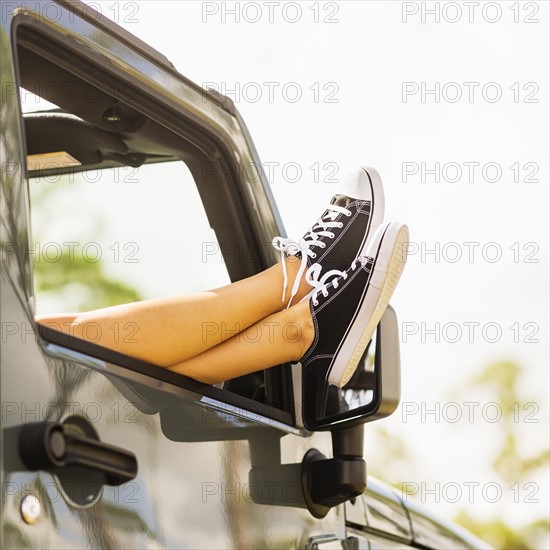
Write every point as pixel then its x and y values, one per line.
pixel 451 107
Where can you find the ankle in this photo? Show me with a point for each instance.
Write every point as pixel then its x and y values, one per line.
pixel 305 328
pixel 292 264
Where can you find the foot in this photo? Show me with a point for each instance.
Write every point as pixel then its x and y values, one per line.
pixel 339 234
pixel 57 321
pixel 347 310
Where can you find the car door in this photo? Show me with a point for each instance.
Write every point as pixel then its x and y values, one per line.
pixel 100 450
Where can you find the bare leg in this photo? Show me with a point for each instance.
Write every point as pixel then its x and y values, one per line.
pixel 167 331
pixel 283 336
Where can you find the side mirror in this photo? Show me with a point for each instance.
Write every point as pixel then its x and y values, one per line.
pixel 372 393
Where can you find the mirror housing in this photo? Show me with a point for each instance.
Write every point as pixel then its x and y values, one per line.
pixel 373 392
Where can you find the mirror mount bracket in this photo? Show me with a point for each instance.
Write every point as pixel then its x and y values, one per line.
pixel 317 483
pixel 328 482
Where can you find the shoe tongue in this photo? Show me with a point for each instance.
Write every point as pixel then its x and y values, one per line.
pixel 294 250
pixel 342 200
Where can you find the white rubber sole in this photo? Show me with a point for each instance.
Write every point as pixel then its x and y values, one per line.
pixel 388 248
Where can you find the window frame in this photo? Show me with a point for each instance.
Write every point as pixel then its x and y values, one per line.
pixel 255 219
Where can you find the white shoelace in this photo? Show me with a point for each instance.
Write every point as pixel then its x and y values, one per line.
pixel 321 286
pixel 322 228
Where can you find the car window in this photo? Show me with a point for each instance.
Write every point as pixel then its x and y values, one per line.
pixel 107 236
pixel 126 205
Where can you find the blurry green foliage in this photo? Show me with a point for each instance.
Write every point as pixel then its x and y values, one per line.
pixel 500 535
pixel 100 290
pixel 510 462
pixel 501 381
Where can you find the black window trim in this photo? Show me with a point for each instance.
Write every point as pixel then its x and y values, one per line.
pixel 51 336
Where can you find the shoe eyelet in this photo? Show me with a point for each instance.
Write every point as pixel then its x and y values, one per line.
pixel 340 225
pixel 331 236
pixel 348 214
pixel 323 245
pixel 314 255
pixel 315 304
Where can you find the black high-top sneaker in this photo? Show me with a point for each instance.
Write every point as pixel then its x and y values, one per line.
pixel 347 310
pixel 339 234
